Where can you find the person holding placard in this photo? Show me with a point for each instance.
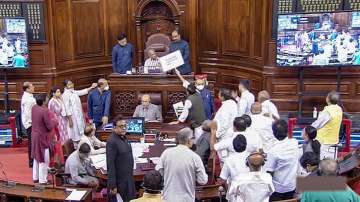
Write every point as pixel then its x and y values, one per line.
pixel 183 46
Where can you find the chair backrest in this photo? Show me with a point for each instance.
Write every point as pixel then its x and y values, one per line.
pixel 155 97
pixel 68 148
pixel 159 42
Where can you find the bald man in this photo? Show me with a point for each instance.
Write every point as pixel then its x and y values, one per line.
pixel 149 111
pixel 99 101
pixel 152 64
pixel 262 125
pixel 255 185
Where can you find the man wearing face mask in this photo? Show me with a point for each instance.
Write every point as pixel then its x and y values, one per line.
pixel 206 95
pixel 99 104
pixel 73 109
pixel 122 55
pixel 79 167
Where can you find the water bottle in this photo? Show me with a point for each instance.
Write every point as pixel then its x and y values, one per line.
pixel 315 113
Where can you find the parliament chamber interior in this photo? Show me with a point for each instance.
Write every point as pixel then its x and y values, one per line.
pixel 180 100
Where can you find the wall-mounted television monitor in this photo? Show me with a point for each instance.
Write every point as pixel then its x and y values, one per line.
pixel 318 39
pixel 14 50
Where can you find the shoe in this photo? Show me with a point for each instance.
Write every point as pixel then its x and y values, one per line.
pixel 45 184
pixel 35 181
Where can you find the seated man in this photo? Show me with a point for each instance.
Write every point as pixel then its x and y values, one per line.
pixel 147 110
pixel 255 185
pixel 78 166
pixel 152 64
pixel 329 167
pixel 152 187
pixel 96 146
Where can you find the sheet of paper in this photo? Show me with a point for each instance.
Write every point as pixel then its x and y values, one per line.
pixel 141 160
pixel 98 161
pixel 169 140
pixel 178 107
pixel 76 195
pixel 171 61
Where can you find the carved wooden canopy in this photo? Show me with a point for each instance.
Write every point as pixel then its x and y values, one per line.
pixel 154 17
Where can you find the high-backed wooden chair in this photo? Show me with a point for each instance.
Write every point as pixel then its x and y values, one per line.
pixel 159 42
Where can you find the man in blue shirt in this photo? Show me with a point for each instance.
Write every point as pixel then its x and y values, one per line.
pixel 122 55
pixel 183 46
pixel 99 104
pixel 19 61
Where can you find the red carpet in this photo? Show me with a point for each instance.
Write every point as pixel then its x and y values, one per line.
pixel 15 165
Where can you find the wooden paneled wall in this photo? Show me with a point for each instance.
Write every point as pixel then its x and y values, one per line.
pixel 229 40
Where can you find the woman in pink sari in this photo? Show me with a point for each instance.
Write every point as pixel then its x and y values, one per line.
pixel 56 105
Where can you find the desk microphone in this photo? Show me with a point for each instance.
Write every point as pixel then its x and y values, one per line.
pixel 8 183
pixel 221 191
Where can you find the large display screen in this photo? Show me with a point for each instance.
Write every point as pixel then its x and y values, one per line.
pixel 318 39
pixel 14 51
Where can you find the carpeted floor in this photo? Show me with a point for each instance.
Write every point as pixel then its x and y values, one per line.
pixel 15 165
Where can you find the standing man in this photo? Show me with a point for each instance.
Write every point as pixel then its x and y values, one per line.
pixel 43 122
pixel 246 99
pixel 74 111
pixel 206 95
pixel 193 111
pixel 182 169
pixel 122 55
pixel 99 104
pixel 27 102
pixel 183 46
pixel 267 106
pixel 328 126
pixel 120 163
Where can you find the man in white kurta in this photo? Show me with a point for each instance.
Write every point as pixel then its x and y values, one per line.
pixel 74 110
pixel 268 107
pixel 225 116
pixel 246 98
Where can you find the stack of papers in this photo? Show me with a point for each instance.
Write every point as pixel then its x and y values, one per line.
pixel 178 108
pixel 76 195
pixel 98 161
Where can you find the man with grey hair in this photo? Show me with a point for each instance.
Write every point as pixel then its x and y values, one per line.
pixel 328 167
pixel 152 64
pixel 99 103
pixel 268 107
pixel 328 126
pixel 182 169
pixel 147 110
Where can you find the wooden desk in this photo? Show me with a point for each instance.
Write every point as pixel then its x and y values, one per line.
pixel 126 89
pixel 25 193
pixel 162 128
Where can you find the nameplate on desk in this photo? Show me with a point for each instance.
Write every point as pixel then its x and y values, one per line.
pixel 171 61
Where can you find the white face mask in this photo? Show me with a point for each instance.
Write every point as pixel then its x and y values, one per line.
pixel 106 88
pixel 200 87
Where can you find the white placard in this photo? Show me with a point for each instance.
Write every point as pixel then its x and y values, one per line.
pixel 171 61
